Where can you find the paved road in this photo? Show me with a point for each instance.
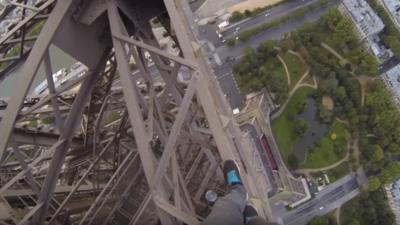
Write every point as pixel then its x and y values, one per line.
pixel 209 31
pixel 272 14
pixel 272 34
pixel 389 64
pixel 324 202
pixel 228 85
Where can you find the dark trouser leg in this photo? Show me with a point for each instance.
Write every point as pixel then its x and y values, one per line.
pixel 260 221
pixel 228 210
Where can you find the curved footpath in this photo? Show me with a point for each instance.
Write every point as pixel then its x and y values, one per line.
pixel 291 93
pixel 307 171
pixel 286 69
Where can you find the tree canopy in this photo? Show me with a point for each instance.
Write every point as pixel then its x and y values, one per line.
pixel 369 65
pixel 378 153
pixel 373 183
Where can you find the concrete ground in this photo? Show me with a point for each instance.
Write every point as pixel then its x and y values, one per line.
pixel 251 4
pixel 211 7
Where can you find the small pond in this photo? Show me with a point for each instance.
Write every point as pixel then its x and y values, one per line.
pixel 316 130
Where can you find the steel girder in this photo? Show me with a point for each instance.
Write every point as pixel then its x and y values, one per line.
pixel 22 32
pixel 145 160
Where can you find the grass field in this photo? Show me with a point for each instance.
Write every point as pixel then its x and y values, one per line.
pixel 295 66
pixel 283 128
pixel 338 172
pixel 324 154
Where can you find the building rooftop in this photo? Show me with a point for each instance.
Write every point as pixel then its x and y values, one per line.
pixel 393 192
pixel 393 7
pixel 393 79
pixel 364 17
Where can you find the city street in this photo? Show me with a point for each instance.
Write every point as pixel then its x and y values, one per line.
pixel 389 64
pixel 267 16
pixel 324 202
pixel 272 34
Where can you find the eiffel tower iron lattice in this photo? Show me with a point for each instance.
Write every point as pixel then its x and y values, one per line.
pixel 129 142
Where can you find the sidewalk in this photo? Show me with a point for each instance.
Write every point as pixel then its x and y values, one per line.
pixel 210 7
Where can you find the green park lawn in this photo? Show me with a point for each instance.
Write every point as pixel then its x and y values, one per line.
pixel 338 172
pixel 284 128
pixel 324 154
pixel 295 66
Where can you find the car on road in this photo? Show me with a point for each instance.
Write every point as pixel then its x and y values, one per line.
pixel 223 25
pixel 267 14
pixel 321 208
pixel 237 28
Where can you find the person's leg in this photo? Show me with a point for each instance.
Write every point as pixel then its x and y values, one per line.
pixel 228 210
pixel 251 217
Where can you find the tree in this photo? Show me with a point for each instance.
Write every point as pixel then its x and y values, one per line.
pixel 394 148
pixel 328 86
pixel 236 16
pixel 341 93
pixel 383 117
pixel 230 42
pixel 354 222
pixel 390 172
pixel 344 33
pixel 369 66
pixel 319 221
pixel 368 151
pixel 373 183
pixel 385 177
pixel 301 127
pixel 293 162
pixel 394 44
pixel 378 153
pixel 286 44
pixel 247 13
pixel 394 169
pixel 332 18
pixel 266 49
pixel 277 84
